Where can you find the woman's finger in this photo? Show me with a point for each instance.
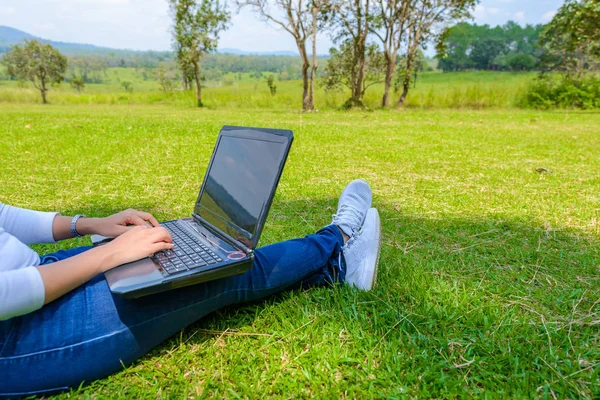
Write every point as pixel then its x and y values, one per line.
pixel 161 234
pixel 156 247
pixel 147 216
pixel 135 220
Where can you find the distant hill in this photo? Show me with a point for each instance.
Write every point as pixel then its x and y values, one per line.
pixel 10 36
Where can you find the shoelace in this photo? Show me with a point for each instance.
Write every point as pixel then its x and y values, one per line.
pixel 349 215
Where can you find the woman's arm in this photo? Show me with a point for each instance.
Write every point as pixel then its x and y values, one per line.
pixel 63 276
pixel 112 226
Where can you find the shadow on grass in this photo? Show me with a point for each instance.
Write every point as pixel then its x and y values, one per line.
pixel 489 303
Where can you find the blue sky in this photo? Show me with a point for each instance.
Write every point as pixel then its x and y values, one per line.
pixel 144 24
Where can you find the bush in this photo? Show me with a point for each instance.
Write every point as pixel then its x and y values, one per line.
pixel 549 92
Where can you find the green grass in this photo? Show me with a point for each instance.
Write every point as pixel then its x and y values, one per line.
pixel 489 274
pixel 433 90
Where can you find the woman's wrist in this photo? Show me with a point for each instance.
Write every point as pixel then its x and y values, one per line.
pixel 87 226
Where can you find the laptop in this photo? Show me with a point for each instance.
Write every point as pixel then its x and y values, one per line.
pixel 219 238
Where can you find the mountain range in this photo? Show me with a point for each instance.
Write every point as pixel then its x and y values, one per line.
pixel 10 36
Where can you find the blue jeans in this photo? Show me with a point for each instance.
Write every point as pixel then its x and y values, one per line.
pixel 89 333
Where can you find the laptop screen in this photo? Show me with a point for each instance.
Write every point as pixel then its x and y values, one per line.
pixel 242 175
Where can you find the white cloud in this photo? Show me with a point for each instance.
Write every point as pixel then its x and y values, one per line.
pixel 493 10
pixel 520 16
pixel 547 17
pixel 505 1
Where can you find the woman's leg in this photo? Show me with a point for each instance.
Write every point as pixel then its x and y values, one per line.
pixel 88 333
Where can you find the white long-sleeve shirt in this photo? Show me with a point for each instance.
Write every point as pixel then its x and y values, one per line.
pixel 21 286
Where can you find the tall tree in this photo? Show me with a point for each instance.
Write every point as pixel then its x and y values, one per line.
pixel 196 32
pixel 351 21
pixel 390 27
pixel 300 18
pixel 572 38
pixel 341 69
pixel 37 62
pixel 427 20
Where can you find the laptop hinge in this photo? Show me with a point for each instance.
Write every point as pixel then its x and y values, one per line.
pixel 221 235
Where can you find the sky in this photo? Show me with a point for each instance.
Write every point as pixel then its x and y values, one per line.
pixel 144 24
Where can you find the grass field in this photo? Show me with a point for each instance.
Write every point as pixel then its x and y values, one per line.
pixel 489 274
pixel 433 90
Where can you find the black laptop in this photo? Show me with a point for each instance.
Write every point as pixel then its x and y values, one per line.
pixel 219 238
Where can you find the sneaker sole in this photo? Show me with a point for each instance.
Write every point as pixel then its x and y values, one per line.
pixel 378 250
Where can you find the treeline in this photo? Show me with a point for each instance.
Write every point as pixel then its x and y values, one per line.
pixel 92 68
pixel 509 47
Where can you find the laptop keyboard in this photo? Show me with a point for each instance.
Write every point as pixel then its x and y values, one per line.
pixel 188 252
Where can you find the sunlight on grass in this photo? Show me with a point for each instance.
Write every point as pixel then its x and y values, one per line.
pixel 488 282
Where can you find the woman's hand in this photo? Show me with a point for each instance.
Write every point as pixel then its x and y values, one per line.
pixel 138 242
pixel 116 224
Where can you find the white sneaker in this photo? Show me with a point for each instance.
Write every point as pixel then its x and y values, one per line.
pixel 353 206
pixel 361 253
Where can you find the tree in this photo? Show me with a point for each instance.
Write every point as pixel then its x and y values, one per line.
pixel 128 86
pixel 196 33
pixel 300 18
pixel 428 20
pixel 341 69
pixel 271 84
pixel 572 39
pixel 521 62
pixel 390 27
pixel 484 51
pixel 471 46
pixel 350 21
pixel 39 63
pixel 78 83
pixel 165 78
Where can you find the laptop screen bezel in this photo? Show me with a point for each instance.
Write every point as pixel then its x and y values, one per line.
pixel 285 137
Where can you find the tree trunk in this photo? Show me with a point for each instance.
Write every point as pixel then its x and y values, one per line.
pixel 313 71
pixel 357 96
pixel 400 103
pixel 43 89
pixel 305 65
pixel 410 54
pixel 390 61
pixel 198 86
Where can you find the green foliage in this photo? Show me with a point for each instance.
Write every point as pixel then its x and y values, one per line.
pixel 78 84
pixel 403 76
pixel 434 90
pixel 341 68
pixel 521 62
pixel 39 63
pixel 488 279
pixel 165 78
pixel 271 84
pixel 128 86
pixel 572 38
pixel 91 69
pixel 196 32
pixel 468 46
pixel 564 92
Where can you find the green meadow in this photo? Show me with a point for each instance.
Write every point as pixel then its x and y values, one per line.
pixel 488 282
pixel 473 90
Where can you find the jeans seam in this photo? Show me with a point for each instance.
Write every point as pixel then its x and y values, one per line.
pixel 63 347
